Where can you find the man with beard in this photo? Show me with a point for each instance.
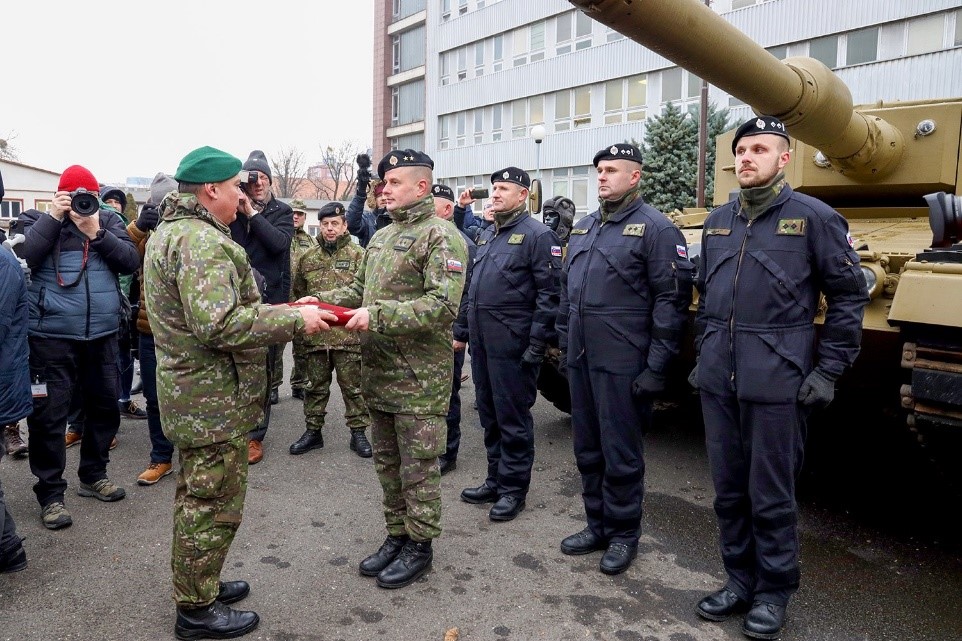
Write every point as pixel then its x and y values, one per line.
pixel 766 257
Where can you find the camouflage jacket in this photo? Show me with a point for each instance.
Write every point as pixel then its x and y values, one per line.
pixel 411 280
pixel 210 328
pixel 300 244
pixel 319 270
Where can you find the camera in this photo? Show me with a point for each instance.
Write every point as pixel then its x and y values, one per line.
pixel 479 192
pixel 85 203
pixel 363 168
pixel 248 178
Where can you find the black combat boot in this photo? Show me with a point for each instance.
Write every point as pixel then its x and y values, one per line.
pixel 764 621
pixel 360 444
pixel 13 559
pixel 372 565
pixel 413 561
pixel 720 605
pixel 214 621
pixel 233 591
pixel 310 440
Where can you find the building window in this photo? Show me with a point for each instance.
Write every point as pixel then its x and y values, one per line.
pixel 43 205
pixel 478 126
pixel 446 67
pixel 498 46
pixel 410 141
pixel 479 58
pixel 395 54
pixel 409 49
pixel 738 4
pixel 410 102
pixel 572 32
pixel 461 120
pixel 958 28
pixel 462 63
pixel 537 41
pixel 519 118
pixel 395 106
pixel 925 34
pixel 462 7
pixel 825 50
pixel 780 51
pixel 445 9
pixel 444 131
pixel 583 25
pixel 496 111
pixel 572 108
pixel 611 35
pixel 671 84
pixel 11 208
pixel 571 183
pixel 626 98
pixel 519 49
pixel 862 46
pixel 536 110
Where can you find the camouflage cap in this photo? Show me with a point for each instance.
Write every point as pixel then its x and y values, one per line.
pixel 298 206
pixel 207 165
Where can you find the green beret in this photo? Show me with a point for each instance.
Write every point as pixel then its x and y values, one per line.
pixel 207 165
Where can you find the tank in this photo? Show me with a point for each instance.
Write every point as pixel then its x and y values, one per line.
pixel 892 169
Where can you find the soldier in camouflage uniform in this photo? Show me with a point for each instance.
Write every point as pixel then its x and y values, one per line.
pixel 300 245
pixel 409 287
pixel 211 333
pixel 327 267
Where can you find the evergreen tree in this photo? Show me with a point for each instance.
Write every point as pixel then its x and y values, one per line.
pixel 670 163
pixel 717 125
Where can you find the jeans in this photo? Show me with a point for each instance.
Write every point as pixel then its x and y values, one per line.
pixel 161 450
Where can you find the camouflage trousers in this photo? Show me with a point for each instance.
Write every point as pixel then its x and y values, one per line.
pixel 277 373
pixel 299 372
pixel 208 505
pixel 319 367
pixel 406 450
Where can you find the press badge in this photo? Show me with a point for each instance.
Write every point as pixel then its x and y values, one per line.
pixel 38 389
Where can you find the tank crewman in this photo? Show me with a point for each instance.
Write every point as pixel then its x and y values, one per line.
pixel 625 291
pixel 513 302
pixel 323 268
pixel 409 287
pixel 211 332
pixel 559 215
pixel 300 244
pixel 766 255
pixel 444 208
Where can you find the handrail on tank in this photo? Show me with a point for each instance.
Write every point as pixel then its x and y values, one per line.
pixel 807 96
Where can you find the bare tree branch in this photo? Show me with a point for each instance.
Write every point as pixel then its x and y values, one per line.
pixel 287 167
pixel 8 151
pixel 334 177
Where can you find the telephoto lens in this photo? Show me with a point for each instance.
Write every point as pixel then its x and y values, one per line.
pixel 85 203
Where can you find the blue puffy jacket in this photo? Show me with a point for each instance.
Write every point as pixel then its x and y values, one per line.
pixel 16 401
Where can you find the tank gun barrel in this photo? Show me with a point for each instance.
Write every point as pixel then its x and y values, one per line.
pixel 813 102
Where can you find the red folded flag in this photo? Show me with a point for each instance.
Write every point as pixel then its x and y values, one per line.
pixel 337 310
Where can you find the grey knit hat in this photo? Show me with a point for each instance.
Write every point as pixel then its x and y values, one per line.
pixel 160 187
pixel 257 161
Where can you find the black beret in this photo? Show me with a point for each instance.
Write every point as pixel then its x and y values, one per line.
pixel 403 158
pixel 330 209
pixel 620 151
pixel 512 175
pixel 760 125
pixel 442 191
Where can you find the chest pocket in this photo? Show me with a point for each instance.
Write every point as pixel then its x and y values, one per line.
pixel 513 267
pixel 624 262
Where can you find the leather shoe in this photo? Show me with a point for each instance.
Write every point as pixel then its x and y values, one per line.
pixel 480 494
pixel 764 621
pixel 214 621
pixel 372 565
pixel 360 444
pixel 310 440
pixel 297 392
pixel 584 542
pixel 618 557
pixel 413 561
pixel 506 508
pixel 447 464
pixel 255 452
pixel 274 398
pixel 233 591
pixel 720 605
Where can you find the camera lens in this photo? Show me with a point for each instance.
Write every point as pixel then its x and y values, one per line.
pixel 84 204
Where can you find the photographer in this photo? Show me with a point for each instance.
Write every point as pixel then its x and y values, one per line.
pixel 264 228
pixel 76 251
pixel 360 222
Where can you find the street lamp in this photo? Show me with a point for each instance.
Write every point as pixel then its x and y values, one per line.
pixel 538 132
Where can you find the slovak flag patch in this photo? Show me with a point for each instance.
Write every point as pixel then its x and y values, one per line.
pixel 851 242
pixel 682 251
pixel 454 265
pixel 556 251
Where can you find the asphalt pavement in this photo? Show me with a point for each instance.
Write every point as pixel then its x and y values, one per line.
pixel 873 567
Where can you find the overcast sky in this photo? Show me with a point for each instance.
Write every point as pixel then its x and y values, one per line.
pixel 127 88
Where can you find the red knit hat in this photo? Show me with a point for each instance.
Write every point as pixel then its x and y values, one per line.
pixel 378 188
pixel 75 177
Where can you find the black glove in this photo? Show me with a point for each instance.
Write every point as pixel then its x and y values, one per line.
pixel 148 218
pixel 363 176
pixel 649 383
pixel 563 364
pixel 363 168
pixel 534 354
pixel 817 390
pixel 693 377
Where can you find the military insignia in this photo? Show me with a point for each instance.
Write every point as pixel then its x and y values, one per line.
pixel 506 174
pixel 613 150
pixel 577 231
pixel 791 227
pixel 851 241
pixel 760 123
pixel 682 251
pixel 454 265
pixel 516 239
pixel 634 229
pixel 404 243
pixel 392 160
pixel 718 231
pixel 556 251
pixel 437 189
pixel 483 241
pixel 342 264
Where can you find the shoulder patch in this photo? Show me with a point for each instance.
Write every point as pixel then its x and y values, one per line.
pixel 404 243
pixel 577 231
pixel 454 265
pixel 482 241
pixel 556 250
pixel 790 227
pixel 718 231
pixel 516 239
pixel 681 250
pixel 634 229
